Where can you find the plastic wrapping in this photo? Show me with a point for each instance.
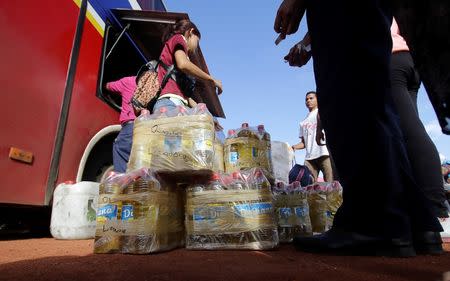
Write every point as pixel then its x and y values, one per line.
pixel 138 215
pixel 231 213
pixel 324 199
pixel 218 165
pixel 247 148
pixel 292 211
pixel 282 158
pixel 176 142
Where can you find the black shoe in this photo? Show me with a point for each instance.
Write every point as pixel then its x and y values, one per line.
pixel 340 242
pixel 428 243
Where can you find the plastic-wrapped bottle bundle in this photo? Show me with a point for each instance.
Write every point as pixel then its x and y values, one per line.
pixel 108 214
pixel 139 215
pixel 292 211
pixel 247 148
pixel 178 141
pixel 231 212
pixel 318 209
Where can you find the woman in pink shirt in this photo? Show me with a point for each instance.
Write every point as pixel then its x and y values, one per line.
pixel 422 152
pixel 180 39
pixel 122 144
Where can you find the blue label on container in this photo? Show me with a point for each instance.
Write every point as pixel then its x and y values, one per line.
pixel 234 157
pixel 127 212
pixel 300 211
pixel 108 211
pixel 172 144
pixel 253 209
pixel 284 213
pixel 208 213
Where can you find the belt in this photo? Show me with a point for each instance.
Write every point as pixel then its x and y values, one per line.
pixel 127 122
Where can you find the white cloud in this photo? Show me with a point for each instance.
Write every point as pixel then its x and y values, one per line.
pixel 433 129
pixel 442 157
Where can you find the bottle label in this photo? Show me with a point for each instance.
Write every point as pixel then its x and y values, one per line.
pixel 234 157
pixel 127 212
pixel 210 212
pixel 172 144
pixel 300 211
pixel 107 212
pixel 252 210
pixel 284 215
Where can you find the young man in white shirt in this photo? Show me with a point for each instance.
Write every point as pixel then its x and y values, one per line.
pixel 317 157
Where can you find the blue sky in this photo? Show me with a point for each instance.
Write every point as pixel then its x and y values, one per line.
pixel 259 88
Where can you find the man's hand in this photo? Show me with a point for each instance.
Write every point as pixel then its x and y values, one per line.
pixel 298 56
pixel 288 18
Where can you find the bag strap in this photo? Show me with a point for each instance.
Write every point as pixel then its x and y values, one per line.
pixel 300 175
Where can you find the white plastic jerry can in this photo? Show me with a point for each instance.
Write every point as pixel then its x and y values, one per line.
pixel 74 210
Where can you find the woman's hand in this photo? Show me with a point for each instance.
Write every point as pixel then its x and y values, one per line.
pixel 218 84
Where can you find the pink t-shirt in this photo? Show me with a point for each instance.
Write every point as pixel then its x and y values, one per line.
pixel 125 87
pixel 168 57
pixel 398 43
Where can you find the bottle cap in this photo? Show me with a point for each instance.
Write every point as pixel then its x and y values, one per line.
pixel 215 176
pixel 236 175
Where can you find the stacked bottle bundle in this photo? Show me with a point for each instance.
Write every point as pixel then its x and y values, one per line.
pixel 247 148
pixel 179 140
pixel 324 199
pixel 292 211
pixel 231 212
pixel 138 215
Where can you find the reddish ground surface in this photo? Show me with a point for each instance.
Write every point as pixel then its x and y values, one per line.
pixel 50 259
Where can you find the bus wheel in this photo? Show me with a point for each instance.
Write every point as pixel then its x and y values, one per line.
pixel 100 161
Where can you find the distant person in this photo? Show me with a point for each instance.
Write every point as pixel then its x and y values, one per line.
pixel 181 39
pixel 317 158
pixel 122 144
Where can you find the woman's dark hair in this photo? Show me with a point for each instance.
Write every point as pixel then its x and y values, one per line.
pixel 180 27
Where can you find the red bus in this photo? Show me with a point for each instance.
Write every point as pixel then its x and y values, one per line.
pixel 58 122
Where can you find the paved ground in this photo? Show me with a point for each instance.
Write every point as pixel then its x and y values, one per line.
pixel 50 259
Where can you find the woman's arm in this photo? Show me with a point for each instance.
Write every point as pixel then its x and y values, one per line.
pixel 186 66
pixel 300 145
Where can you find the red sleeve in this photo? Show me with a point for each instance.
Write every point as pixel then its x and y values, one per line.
pixel 115 86
pixel 177 42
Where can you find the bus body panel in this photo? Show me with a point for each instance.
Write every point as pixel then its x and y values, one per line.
pixel 35 54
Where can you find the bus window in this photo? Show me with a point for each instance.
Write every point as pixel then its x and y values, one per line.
pixel 116 62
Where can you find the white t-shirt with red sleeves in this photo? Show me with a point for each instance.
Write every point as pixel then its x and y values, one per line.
pixel 308 132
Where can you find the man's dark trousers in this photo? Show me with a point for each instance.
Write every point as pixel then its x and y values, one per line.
pixel 351 50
